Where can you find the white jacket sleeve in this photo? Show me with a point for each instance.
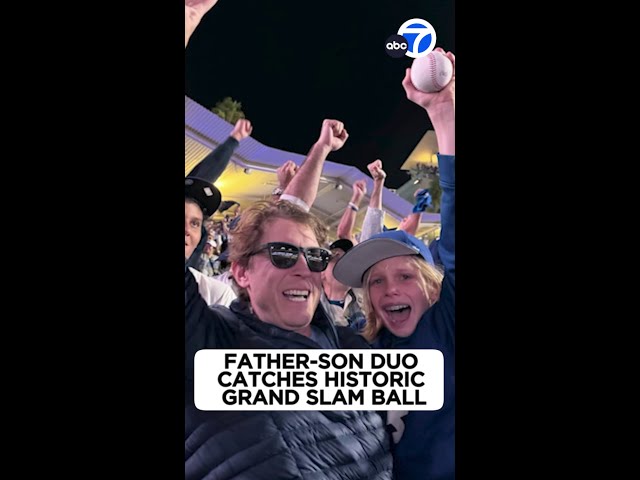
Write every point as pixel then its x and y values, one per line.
pixel 213 291
pixel 372 224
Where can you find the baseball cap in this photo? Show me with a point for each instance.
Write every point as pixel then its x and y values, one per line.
pixel 343 244
pixel 204 193
pixel 395 243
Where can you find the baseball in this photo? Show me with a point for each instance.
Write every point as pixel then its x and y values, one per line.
pixel 432 72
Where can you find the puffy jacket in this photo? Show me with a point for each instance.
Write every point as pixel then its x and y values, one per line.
pixel 273 445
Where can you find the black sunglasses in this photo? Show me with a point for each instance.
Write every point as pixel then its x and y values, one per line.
pixel 285 255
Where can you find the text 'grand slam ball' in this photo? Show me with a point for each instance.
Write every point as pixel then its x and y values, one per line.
pixel 432 72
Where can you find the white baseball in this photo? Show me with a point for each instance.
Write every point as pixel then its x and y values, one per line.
pixel 432 72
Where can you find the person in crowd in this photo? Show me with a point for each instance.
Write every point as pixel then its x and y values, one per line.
pixel 410 304
pixel 277 261
pixel 348 220
pixel 201 200
pixel 345 301
pixel 374 218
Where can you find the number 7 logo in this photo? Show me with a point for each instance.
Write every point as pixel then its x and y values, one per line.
pixel 420 36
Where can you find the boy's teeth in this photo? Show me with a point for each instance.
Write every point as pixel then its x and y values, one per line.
pixel 395 308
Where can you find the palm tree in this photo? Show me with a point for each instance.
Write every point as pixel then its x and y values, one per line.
pixel 229 110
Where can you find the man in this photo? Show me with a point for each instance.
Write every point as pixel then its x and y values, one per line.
pixel 374 218
pixel 345 301
pixel 201 200
pixel 277 263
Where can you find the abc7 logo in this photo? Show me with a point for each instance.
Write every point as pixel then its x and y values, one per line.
pixel 415 38
pixel 396 46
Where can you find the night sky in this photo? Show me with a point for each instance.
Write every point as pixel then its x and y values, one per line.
pixel 293 66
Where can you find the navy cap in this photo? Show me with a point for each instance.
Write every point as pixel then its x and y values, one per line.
pixel 342 244
pixel 204 193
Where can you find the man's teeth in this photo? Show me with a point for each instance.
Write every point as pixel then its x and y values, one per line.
pixel 296 295
pixel 396 308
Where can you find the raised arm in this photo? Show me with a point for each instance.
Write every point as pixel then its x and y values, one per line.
pixel 440 106
pixel 348 220
pixel 194 10
pixel 374 218
pixel 241 130
pixel 212 166
pixel 285 173
pixel 304 185
pixel 441 109
pixel 410 223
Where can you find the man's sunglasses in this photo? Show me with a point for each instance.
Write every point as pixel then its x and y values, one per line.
pixel 285 255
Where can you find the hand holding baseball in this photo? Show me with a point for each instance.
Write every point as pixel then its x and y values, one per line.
pixel 429 100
